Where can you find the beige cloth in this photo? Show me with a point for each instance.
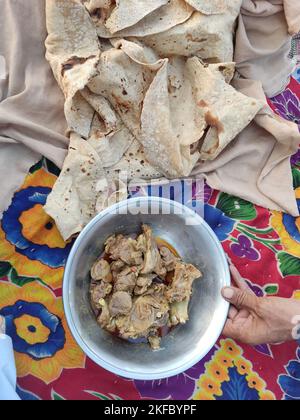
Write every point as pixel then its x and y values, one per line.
pixel 32 122
pixel 263 42
pixel 256 166
pixel 292 12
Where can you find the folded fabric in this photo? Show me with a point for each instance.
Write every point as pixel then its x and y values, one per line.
pixel 292 13
pixel 263 42
pixel 32 122
pixel 256 166
pixel 8 375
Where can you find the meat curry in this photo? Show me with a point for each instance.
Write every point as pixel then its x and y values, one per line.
pixel 140 287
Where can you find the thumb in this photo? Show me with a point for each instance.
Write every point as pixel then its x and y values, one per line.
pixel 241 299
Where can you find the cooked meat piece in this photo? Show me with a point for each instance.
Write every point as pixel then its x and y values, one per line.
pixel 168 258
pixel 121 321
pixel 143 282
pixel 142 243
pixel 99 292
pixel 125 249
pixel 125 281
pixel 152 258
pixel 110 242
pixel 148 311
pixel 154 342
pixel 158 289
pixel 179 312
pixel 138 290
pixel 117 266
pixel 111 327
pixel 104 318
pixel 120 304
pixel 181 286
pixel 101 271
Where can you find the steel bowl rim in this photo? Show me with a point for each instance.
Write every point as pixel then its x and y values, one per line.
pixel 68 312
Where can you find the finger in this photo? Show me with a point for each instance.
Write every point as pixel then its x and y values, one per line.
pixel 238 279
pixel 241 299
pixel 233 312
pixel 242 314
pixel 231 331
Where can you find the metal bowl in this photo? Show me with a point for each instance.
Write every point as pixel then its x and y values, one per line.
pixel 196 243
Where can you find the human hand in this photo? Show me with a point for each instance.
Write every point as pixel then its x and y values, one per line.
pixel 253 320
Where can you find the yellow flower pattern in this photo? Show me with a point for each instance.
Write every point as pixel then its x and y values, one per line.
pixel 31 329
pixel 30 240
pixel 42 341
pixel 288 229
pixel 296 295
pixel 217 373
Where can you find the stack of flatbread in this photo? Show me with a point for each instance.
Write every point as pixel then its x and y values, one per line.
pixel 147 95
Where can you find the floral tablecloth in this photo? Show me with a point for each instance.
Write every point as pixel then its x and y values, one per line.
pixel 263 245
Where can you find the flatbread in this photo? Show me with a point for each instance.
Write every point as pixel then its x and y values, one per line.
pixel 209 7
pixel 138 102
pixel 73 56
pixel 187 102
pixel 73 199
pixel 135 164
pixel 111 147
pixel 129 12
pixel 124 76
pixel 161 132
pixel 207 37
pixel 172 14
pixel 82 190
pixel 224 70
pixel 226 111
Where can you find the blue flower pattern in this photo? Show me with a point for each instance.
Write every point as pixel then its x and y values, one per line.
pixel 290 383
pixel 219 222
pixel 237 388
pixel 23 201
pixel 56 339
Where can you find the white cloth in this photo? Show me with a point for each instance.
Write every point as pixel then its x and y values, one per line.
pixel 7 370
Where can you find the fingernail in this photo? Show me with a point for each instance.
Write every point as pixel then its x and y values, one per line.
pixel 228 293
